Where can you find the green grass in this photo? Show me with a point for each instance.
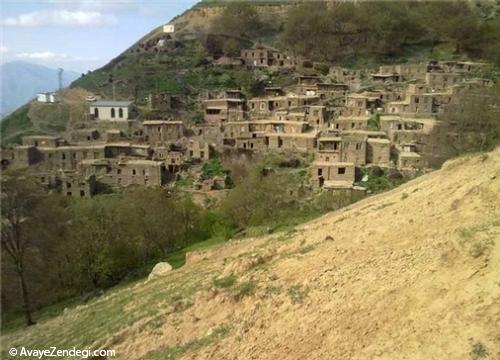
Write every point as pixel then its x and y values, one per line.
pixel 15 125
pixel 297 294
pixel 246 288
pixel 178 258
pixel 175 352
pixel 224 282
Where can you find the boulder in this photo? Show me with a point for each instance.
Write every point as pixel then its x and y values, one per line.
pixel 160 269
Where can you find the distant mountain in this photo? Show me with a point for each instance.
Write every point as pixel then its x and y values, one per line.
pixel 21 81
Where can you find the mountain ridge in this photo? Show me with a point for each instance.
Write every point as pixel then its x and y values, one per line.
pixel 21 81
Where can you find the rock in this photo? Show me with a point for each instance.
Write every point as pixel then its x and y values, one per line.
pixel 160 269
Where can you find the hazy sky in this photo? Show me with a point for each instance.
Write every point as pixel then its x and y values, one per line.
pixel 78 35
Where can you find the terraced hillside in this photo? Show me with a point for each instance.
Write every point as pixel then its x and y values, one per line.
pixel 408 274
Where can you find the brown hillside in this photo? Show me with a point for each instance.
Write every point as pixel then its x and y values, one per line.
pixel 410 274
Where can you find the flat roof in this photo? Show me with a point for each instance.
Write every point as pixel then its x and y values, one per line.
pixel 332 163
pixel 42 137
pixel 110 103
pixel 330 138
pixel 299 135
pixel 161 122
pixel 409 154
pixel 381 141
pixel 141 162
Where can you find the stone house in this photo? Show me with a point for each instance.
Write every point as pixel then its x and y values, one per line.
pixel 332 175
pixel 155 131
pixel 174 161
pixel 378 151
pixel 343 123
pixel 329 148
pixel 43 141
pixel 85 135
pixel 217 111
pixel 160 101
pixel 295 142
pixel 441 80
pixel 198 150
pixel 126 172
pixel 267 58
pixel 407 71
pixel 75 185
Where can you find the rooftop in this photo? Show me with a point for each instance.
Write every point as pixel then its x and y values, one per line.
pixel 111 103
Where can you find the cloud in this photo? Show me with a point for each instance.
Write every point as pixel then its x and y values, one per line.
pixel 98 5
pixel 61 18
pixel 4 49
pixel 49 55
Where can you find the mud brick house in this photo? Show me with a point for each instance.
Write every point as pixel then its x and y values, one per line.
pixel 155 131
pixel 126 172
pixel 332 175
pixel 217 111
pixel 75 185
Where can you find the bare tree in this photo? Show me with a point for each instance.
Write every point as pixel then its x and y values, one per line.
pixel 19 198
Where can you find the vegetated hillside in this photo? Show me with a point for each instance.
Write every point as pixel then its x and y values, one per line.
pixel 21 81
pixel 408 274
pixel 340 33
pixel 39 118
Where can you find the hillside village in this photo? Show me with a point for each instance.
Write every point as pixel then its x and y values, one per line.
pixel 387 117
pixel 264 180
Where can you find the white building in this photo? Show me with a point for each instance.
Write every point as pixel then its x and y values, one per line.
pixel 47 97
pixel 169 28
pixel 110 110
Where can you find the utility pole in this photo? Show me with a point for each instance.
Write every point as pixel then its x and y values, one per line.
pixel 59 77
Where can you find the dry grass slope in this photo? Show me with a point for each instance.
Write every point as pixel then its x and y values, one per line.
pixel 409 274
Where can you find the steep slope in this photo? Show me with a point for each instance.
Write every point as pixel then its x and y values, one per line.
pixel 409 274
pixel 21 81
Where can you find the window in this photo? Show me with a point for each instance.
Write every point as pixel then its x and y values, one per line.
pixel 42 179
pixel 82 193
pixel 68 185
pixel 113 112
pixel 320 172
pixel 96 112
pixel 120 113
pixel 202 154
pixel 88 138
pixel 133 172
pixel 64 156
pixel 358 146
pixel 118 171
pixel 341 170
pixel 68 193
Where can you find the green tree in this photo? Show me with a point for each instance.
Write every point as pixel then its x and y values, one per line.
pixel 239 19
